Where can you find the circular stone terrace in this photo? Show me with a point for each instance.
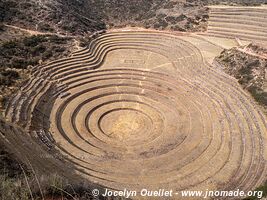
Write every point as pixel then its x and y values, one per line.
pixel 144 110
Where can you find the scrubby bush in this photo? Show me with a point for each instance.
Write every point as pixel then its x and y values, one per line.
pixel 19 54
pixel 181 17
pixel 259 95
pixel 47 55
pixel 2 27
pixel 12 188
pixel 22 63
pixel 9 45
pixel 45 27
pixel 177 28
pixel 34 40
pixel 262 189
pixel 9 10
pixel 248 70
pixel 59 49
pixel 28 51
pixel 37 50
pixel 171 19
pixel 57 40
pixel 7 78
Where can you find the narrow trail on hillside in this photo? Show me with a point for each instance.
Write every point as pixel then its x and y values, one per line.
pixel 32 32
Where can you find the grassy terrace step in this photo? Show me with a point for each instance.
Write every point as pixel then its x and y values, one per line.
pixel 24 99
pixel 85 56
pixel 249 12
pixel 246 16
pixel 27 107
pixel 248 33
pixel 257 29
pixel 241 21
pixel 74 66
pixel 234 35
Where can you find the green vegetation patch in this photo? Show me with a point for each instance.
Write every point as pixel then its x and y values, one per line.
pixel 19 54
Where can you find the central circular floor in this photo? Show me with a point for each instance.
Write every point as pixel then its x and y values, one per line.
pixel 126 125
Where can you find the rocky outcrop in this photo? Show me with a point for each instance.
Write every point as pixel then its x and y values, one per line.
pixel 249 66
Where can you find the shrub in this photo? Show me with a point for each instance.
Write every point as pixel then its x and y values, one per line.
pixel 2 27
pixel 39 49
pixel 59 49
pixel 13 189
pixel 57 40
pixel 10 44
pixel 245 70
pixel 171 19
pixel 46 27
pixel 22 63
pixel 47 55
pixel 181 17
pixel 34 40
pixel 259 95
pixel 263 189
pixel 177 28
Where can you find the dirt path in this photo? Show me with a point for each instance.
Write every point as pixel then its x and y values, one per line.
pixel 249 52
pixel 32 32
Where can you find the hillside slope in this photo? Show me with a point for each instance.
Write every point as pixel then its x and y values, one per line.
pixel 87 16
pixel 249 66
